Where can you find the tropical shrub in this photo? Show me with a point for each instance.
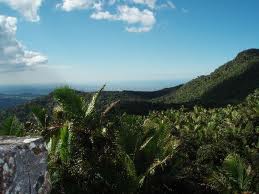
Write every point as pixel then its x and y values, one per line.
pixel 184 150
pixel 11 126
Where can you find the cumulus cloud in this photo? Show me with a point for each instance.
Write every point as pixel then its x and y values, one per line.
pixel 139 15
pixel 13 54
pixel 27 8
pixel 144 19
pixel 133 15
pixel 70 5
pixel 103 15
pixel 139 29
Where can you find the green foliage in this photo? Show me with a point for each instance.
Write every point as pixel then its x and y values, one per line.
pixel 41 116
pixel 198 140
pixel 229 83
pixel 11 127
pixel 146 146
pixel 76 108
pixel 233 177
pixel 72 103
pixel 79 149
pixel 179 150
pixel 65 138
pixel 176 151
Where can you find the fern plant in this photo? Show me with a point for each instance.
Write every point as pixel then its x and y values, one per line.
pixel 41 117
pixel 78 133
pixel 11 126
pixel 75 107
pixel 76 117
pixel 146 147
pixel 235 176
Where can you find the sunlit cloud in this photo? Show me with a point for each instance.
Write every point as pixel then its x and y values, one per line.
pixel 27 8
pixel 14 56
pixel 138 15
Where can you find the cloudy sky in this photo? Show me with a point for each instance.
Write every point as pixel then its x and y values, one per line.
pixel 78 41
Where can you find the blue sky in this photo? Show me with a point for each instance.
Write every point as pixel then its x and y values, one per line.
pixel 79 41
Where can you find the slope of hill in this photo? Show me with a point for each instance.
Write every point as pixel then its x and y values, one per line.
pixel 132 102
pixel 154 94
pixel 229 83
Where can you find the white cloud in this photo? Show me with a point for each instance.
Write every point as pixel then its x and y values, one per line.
pixel 27 8
pixel 139 15
pixel 70 5
pixel 138 20
pixel 133 15
pixel 103 15
pixel 139 29
pixel 13 54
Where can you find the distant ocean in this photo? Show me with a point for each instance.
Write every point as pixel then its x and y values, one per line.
pixel 43 89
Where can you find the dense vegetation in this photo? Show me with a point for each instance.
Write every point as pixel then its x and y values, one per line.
pixel 132 142
pixel 230 83
pixel 175 151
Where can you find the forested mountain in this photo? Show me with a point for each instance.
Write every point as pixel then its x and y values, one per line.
pixel 229 83
pixel 164 142
pixel 198 150
pixel 133 102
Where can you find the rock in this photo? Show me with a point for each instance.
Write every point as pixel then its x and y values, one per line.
pixel 23 166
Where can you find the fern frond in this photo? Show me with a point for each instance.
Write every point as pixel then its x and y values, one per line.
pixel 11 126
pixel 152 169
pixel 40 115
pixel 64 142
pixel 91 106
pixel 70 102
pixel 234 176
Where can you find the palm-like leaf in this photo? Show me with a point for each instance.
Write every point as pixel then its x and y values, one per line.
pixel 70 101
pixel 153 167
pixel 88 109
pixel 40 115
pixel 65 137
pixel 76 112
pixel 75 106
pixel 234 176
pixel 238 172
pixel 11 126
pixel 53 145
pixel 154 142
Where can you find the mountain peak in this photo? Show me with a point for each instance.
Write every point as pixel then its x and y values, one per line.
pixel 230 83
pixel 248 53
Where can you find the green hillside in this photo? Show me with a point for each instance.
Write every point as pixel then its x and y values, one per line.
pixel 198 151
pixel 132 102
pixel 229 83
pixel 151 142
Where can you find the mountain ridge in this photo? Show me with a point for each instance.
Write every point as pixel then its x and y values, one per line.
pixel 243 69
